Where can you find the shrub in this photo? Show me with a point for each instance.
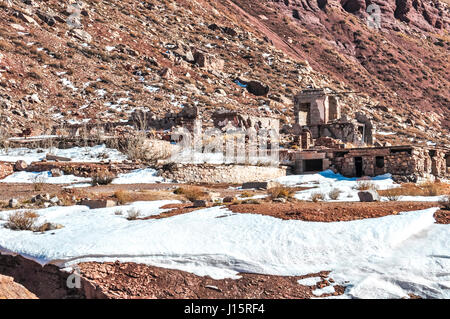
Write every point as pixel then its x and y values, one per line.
pixel 191 193
pixel 392 194
pixel 102 178
pixel 430 189
pixel 315 197
pixel 281 192
pixel 39 182
pixel 133 214
pixel 140 148
pixel 410 189
pixel 365 185
pixel 445 203
pixel 25 220
pixel 334 194
pixel 246 194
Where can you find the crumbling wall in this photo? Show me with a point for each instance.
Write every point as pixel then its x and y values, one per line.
pixel 224 120
pixel 146 120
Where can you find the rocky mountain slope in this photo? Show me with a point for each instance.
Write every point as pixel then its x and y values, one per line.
pixel 98 61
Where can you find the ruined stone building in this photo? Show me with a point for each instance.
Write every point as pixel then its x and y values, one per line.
pixel 405 163
pixel 224 120
pixel 322 133
pixel 320 112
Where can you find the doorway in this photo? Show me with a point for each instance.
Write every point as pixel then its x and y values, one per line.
pixel 358 166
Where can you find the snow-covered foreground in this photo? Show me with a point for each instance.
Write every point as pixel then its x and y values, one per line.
pixel 386 257
pixel 77 154
pixel 326 181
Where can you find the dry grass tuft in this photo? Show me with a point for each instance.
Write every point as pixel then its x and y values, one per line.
pixel 192 193
pixel 334 194
pixel 24 220
pixel 410 189
pixel 102 178
pixel 365 186
pixel 281 192
pixel 315 197
pixel 124 196
pixel 133 214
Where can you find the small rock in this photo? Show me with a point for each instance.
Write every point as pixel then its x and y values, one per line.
pixel 368 196
pixel 82 35
pixel 20 166
pixel 13 203
pixel 56 172
pixel 200 203
pixel 228 199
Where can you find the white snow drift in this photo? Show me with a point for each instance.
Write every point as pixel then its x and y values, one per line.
pixel 77 154
pixel 383 257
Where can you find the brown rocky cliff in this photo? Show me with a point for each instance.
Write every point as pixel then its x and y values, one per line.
pixel 12 290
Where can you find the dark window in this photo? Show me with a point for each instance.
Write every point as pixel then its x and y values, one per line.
pixel 313 165
pixel 340 154
pixel 401 150
pixel 379 161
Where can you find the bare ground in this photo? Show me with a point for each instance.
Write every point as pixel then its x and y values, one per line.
pixel 130 280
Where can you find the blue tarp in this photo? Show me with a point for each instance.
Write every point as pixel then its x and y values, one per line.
pixel 240 84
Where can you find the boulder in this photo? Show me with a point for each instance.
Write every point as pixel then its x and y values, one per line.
pixel 52 157
pixel 56 172
pixel 20 166
pixel 257 88
pixel 94 204
pixel 26 18
pixel 208 61
pixel 46 18
pixel 228 199
pixel 13 203
pixel 259 185
pixel 49 226
pixel 81 35
pixel 368 196
pixel 200 203
pixel 9 289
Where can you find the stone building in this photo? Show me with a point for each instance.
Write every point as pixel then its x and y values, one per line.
pixel 320 111
pixel 405 163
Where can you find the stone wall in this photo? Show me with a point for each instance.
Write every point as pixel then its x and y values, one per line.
pixel 83 169
pixel 228 119
pixel 229 174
